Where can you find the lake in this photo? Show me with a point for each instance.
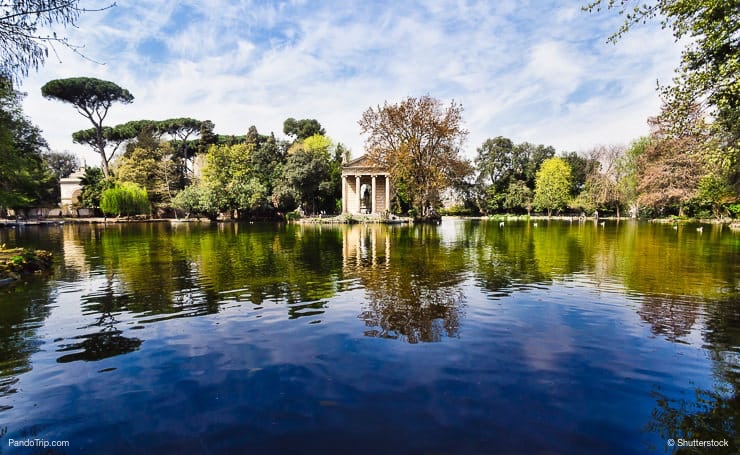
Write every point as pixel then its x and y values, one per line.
pixel 466 337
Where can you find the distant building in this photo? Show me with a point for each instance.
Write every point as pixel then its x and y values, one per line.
pixel 366 189
pixel 70 189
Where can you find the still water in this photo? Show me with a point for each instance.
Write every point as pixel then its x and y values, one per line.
pixel 465 337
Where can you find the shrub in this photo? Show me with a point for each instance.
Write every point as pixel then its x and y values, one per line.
pixel 124 199
pixel 457 210
pixel 292 216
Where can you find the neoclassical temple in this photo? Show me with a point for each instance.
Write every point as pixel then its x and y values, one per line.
pixel 366 189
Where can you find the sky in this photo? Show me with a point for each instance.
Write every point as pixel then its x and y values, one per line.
pixel 538 71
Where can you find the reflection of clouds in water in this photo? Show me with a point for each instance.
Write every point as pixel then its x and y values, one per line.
pixel 544 348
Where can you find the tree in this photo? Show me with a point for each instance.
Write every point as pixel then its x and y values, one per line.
pixel 181 129
pixel 672 164
pixel 93 184
pixel 92 98
pixel 518 196
pixel 602 186
pixel 25 180
pixel 302 129
pixel 307 172
pixel 62 164
pixel 714 191
pixel 23 43
pixel 150 168
pixel 628 165
pixel 494 160
pixel 552 185
pixel 707 77
pixel 197 200
pixel 710 62
pixel 419 142
pixel 527 159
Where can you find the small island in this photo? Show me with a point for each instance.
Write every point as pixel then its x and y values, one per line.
pixel 18 262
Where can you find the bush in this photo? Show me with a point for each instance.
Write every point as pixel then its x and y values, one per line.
pixel 124 199
pixel 457 210
pixel 734 210
pixel 292 216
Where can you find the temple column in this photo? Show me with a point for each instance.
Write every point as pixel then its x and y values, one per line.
pixel 387 194
pixel 344 194
pixel 358 194
pixel 372 198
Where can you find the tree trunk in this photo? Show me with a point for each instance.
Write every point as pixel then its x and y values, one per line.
pixel 680 211
pixel 617 211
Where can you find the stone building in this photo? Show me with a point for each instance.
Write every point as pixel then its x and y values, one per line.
pixel 71 189
pixel 366 189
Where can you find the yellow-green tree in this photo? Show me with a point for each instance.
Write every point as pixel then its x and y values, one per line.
pixel 552 185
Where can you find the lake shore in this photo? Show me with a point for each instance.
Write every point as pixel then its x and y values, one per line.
pixel 350 219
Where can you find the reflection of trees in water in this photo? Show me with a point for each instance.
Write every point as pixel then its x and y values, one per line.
pixel 670 316
pixel 108 342
pixel 98 346
pixel 412 287
pixel 710 414
pixel 412 311
pixel 164 271
pixel 23 311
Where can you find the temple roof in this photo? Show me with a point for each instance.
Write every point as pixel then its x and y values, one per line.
pixel 361 165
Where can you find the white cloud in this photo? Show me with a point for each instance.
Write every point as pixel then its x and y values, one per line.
pixel 534 72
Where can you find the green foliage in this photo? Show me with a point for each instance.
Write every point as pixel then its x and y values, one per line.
pixel 25 179
pixel 518 196
pixel 319 144
pixel 62 164
pixel 714 191
pixel 552 187
pixel 307 172
pixel 86 93
pixel 302 129
pixel 124 199
pixel 500 163
pixel 93 184
pixel 197 200
pixel 581 167
pixel 292 216
pixel 152 169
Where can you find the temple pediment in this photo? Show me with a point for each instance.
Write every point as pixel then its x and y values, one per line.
pixel 361 165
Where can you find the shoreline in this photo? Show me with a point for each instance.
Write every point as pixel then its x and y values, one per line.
pixel 355 219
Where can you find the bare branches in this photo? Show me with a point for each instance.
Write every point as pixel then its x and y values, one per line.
pixel 24 39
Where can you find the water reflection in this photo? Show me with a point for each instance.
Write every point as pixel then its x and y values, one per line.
pixel 708 413
pixel 303 295
pixel 413 288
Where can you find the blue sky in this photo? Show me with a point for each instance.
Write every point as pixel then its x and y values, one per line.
pixel 537 71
